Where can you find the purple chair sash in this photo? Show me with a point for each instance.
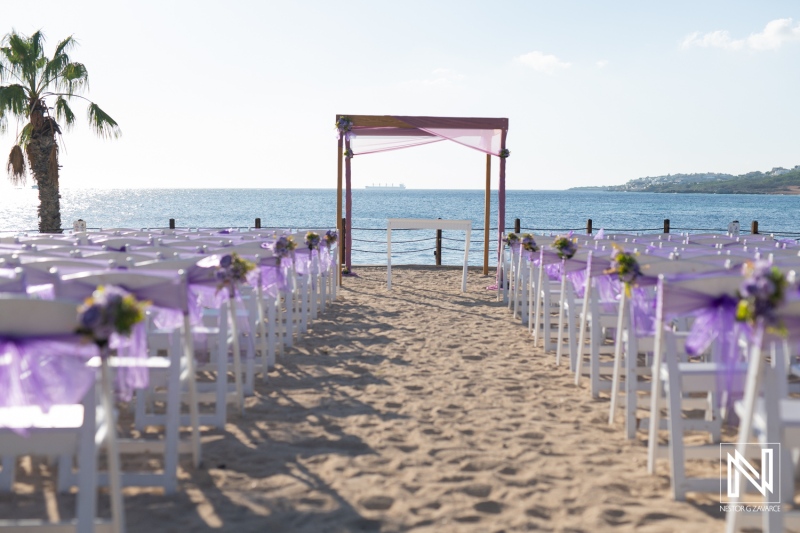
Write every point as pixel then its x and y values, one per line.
pixel 715 320
pixel 45 371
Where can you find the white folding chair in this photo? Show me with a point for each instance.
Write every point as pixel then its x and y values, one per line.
pixel 76 428
pixel 676 377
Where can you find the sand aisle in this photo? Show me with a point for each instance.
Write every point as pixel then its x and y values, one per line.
pixel 419 409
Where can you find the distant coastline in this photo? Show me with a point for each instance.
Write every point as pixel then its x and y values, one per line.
pixel 776 181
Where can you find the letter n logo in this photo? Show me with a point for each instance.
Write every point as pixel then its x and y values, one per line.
pixel 763 482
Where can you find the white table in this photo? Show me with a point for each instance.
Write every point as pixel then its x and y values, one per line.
pixel 427 223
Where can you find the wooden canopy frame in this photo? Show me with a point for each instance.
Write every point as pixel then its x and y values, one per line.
pixel 416 126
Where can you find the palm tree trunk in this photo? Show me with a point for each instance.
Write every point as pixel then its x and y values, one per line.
pixel 40 151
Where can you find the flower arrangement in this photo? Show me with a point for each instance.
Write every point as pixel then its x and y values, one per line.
pixel 565 247
pixel 284 247
pixel 511 238
pixel 528 243
pixel 232 271
pixel 626 267
pixel 330 238
pixel 761 293
pixel 504 153
pixel 109 310
pixel 312 240
pixel 344 126
pixel 348 153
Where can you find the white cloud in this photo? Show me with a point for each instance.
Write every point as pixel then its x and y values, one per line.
pixel 775 34
pixel 542 62
pixel 603 63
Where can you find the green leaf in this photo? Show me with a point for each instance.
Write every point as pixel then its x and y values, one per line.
pixel 25 135
pixel 75 76
pixel 14 100
pixel 63 112
pixel 102 124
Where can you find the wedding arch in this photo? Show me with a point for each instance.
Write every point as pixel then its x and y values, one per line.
pixel 487 135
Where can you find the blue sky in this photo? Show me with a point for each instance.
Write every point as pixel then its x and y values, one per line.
pixel 244 94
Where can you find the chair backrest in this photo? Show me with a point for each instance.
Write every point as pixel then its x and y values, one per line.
pixel 168 264
pixel 165 289
pixel 12 281
pixel 684 294
pixel 23 317
pixel 121 258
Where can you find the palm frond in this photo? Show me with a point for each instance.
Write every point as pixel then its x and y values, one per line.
pixel 105 126
pixel 63 112
pixel 37 44
pixel 16 166
pixel 55 66
pixel 14 100
pixel 24 54
pixel 18 47
pixel 25 135
pixel 75 77
pixel 65 46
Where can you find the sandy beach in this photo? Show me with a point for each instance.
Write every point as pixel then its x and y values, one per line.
pixel 419 409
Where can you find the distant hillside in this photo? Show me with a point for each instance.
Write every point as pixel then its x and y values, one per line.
pixel 777 181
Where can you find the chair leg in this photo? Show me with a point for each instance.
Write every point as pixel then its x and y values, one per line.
pixel 9 463
pixel 561 318
pixel 87 465
pixel 676 450
pixel 631 385
pixel 271 334
pixel 173 417
pixel 594 361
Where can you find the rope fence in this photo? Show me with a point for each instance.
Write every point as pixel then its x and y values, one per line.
pixel 439 238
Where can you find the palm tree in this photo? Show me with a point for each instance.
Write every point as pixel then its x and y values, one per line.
pixel 37 85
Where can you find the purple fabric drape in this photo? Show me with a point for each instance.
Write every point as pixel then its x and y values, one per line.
pixel 715 320
pixel 45 371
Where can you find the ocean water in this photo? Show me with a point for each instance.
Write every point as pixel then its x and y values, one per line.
pixel 539 211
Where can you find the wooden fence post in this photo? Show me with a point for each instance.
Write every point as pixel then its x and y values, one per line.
pixel 172 223
pixel 589 226
pixel 258 223
pixel 754 227
pixel 666 225
pixel 438 252
pixel 517 227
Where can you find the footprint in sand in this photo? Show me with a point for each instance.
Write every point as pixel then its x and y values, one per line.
pixel 614 517
pixel 377 503
pixel 489 507
pixel 539 512
pixel 479 490
pixel 656 517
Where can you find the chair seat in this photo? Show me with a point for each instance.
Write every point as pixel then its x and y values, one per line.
pixel 789 418
pixel 32 417
pixel 701 377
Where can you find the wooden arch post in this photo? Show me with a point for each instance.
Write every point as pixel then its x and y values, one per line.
pixel 486 212
pixel 339 228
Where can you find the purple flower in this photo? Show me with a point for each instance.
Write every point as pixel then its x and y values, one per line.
pixel 91 317
pixel 225 261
